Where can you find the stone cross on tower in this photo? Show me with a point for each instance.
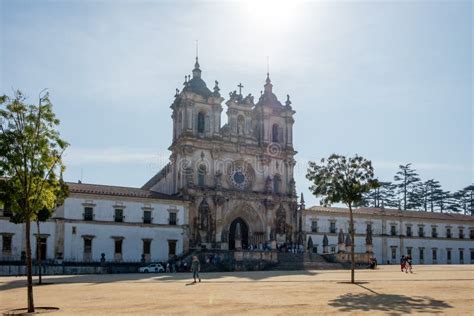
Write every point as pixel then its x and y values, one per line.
pixel 240 88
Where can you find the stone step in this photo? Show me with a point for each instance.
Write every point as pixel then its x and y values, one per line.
pixel 304 261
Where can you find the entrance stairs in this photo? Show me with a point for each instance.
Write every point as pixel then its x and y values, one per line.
pixel 304 261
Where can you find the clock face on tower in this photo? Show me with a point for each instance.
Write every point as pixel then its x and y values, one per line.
pixel 240 175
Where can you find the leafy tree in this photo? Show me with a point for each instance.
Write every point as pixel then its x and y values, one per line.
pixel 338 179
pixel 43 215
pixel 30 159
pixel 407 179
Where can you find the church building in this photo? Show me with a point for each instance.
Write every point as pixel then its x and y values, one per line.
pixel 238 176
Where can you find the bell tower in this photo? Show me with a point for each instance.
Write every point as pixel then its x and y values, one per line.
pixel 196 109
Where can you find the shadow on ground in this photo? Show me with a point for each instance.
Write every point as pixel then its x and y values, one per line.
pixel 238 277
pixel 209 277
pixel 388 303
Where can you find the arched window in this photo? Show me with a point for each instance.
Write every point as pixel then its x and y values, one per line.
pixel 275 137
pixel 276 184
pixel 240 125
pixel 201 175
pixel 201 120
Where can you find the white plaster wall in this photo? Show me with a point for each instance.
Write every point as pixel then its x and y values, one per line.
pixel 132 245
pixel 17 239
pixel 104 210
pixel 103 227
pixel 48 229
pixel 383 242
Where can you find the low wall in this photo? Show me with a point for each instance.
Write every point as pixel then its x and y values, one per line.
pixel 344 257
pixel 227 261
pixel 73 268
pixel 254 260
pixel 270 256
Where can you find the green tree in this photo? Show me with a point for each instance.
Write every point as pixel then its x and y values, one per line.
pixel 432 190
pixel 407 179
pixel 43 215
pixel 30 159
pixel 338 179
pixel 441 199
pixel 466 199
pixel 381 196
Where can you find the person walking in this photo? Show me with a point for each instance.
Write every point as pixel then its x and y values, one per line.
pixel 195 268
pixel 409 264
pixel 402 263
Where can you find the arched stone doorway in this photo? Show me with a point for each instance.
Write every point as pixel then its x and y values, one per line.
pixel 244 233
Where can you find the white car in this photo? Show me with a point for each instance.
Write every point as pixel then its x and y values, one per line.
pixel 154 267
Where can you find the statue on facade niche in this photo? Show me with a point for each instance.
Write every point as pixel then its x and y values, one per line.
pixel 292 187
pixel 272 234
pixel 189 176
pixel 288 102
pixel 212 228
pixel 325 241
pixel 281 220
pixel 224 236
pixel 218 179
pixel 310 244
pixel 204 215
pixel 340 237
pixel 348 240
pixel 268 184
pixel 216 89
pixel 249 99
pixel 281 224
pixel 240 127
pixel 368 238
pixel 198 238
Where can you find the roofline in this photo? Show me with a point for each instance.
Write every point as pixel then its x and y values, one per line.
pixel 380 212
pixel 129 197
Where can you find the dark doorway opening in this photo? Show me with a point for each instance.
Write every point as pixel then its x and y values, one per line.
pixel 244 233
pixel 42 250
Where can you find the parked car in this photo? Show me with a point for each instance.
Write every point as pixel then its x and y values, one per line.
pixel 154 267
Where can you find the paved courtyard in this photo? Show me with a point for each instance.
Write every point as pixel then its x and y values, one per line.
pixel 445 289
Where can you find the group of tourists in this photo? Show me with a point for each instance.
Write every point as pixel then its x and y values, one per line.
pixel 290 247
pixel 406 264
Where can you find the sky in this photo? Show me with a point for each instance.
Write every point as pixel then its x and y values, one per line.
pixel 388 80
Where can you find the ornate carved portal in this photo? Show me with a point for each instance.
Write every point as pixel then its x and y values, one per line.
pixel 281 221
pixel 239 230
pixel 205 222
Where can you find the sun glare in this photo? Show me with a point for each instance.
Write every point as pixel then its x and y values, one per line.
pixel 272 12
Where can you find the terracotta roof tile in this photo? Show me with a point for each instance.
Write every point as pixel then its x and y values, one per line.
pixel 394 212
pixel 99 189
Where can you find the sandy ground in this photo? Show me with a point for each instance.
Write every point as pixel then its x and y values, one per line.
pixel 440 289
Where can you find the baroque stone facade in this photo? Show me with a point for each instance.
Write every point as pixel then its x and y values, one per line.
pixel 241 172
